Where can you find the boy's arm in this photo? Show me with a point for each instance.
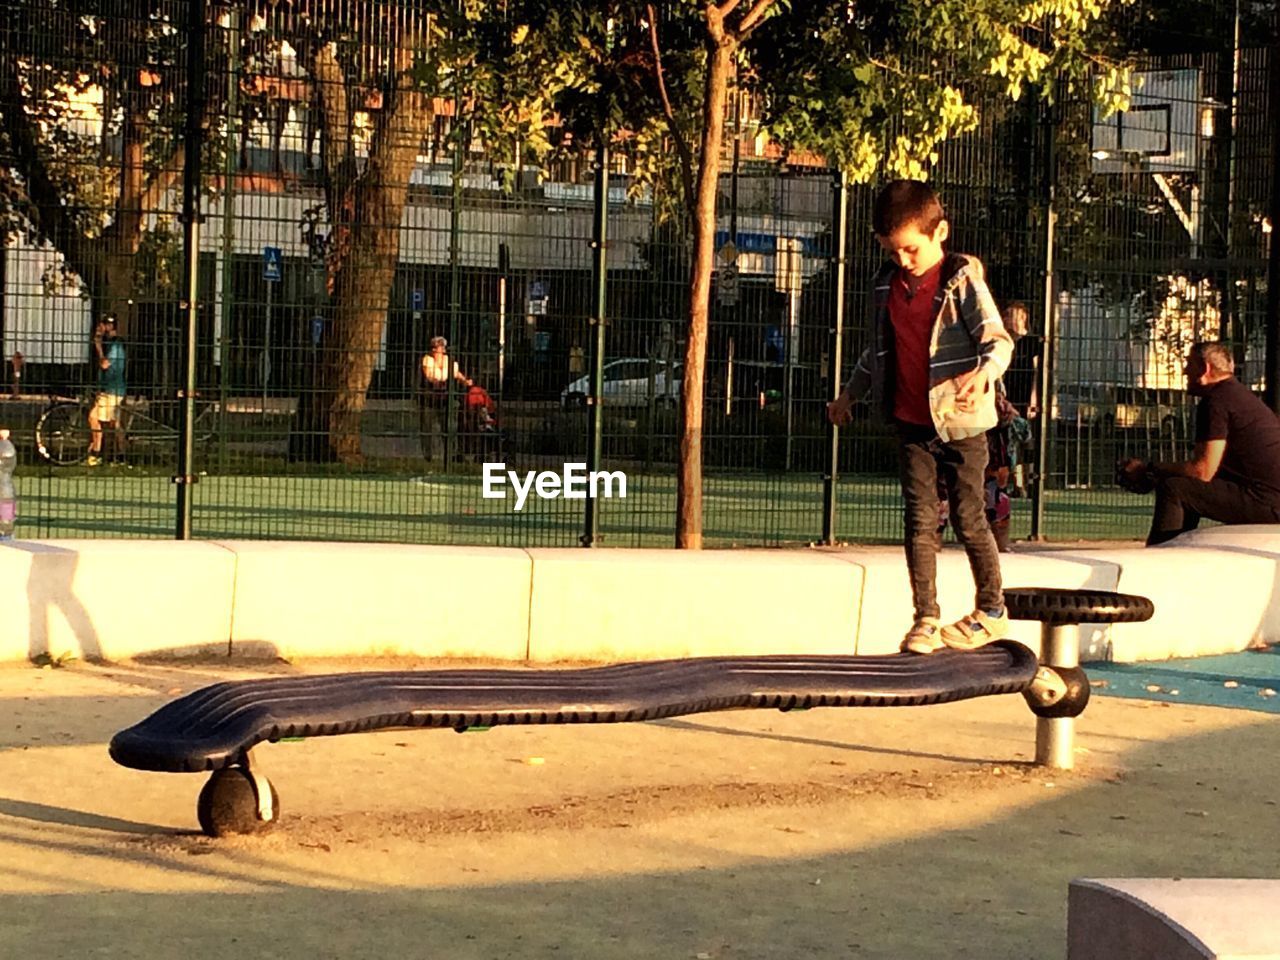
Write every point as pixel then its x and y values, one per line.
pixel 860 380
pixel 978 309
pixel 840 410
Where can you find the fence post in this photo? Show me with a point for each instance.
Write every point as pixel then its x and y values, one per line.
pixel 192 139
pixel 1273 258
pixel 599 234
pixel 1045 385
pixel 835 343
pixel 229 164
pixel 460 139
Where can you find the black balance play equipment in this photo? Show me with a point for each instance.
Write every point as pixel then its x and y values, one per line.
pixel 216 727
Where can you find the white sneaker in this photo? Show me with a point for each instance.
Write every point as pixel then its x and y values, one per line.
pixel 976 630
pixel 925 636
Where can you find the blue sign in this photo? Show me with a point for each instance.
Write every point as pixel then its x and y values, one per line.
pixel 317 330
pixel 537 290
pixel 765 243
pixel 419 300
pixel 272 264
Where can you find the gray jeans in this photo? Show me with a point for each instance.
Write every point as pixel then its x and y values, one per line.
pixel 922 458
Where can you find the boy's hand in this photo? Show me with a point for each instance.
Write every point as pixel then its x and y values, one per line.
pixel 970 386
pixel 840 410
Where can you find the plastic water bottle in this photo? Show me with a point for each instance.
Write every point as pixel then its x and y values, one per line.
pixel 8 494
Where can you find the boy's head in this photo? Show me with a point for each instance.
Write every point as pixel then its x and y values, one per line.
pixel 911 226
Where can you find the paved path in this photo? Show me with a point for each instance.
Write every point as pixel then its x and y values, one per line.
pixel 837 833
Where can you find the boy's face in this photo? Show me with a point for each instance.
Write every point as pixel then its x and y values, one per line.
pixel 913 250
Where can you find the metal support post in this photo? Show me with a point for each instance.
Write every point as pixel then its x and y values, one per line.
pixel 835 343
pixel 1042 428
pixel 1056 736
pixel 599 280
pixel 193 142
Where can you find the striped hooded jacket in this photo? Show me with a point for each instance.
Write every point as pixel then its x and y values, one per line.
pixel 967 332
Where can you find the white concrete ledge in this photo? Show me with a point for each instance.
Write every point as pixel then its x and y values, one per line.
pixel 1215 590
pixel 114 599
pixel 655 604
pixel 296 599
pixel 885 614
pixel 1166 919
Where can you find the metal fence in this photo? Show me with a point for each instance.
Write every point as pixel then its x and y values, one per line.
pixel 347 222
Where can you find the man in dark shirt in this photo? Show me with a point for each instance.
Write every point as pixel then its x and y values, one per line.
pixel 1234 474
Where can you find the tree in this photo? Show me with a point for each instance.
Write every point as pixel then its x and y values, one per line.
pixel 871 86
pixel 377 69
pixel 90 138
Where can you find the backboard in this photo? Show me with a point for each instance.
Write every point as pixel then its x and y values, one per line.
pixel 1159 133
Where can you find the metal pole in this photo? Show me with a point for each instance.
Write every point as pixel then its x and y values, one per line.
pixel 1056 736
pixel 835 343
pixel 1273 258
pixel 228 226
pixel 737 154
pixel 1045 387
pixel 455 282
pixel 192 147
pixel 1234 331
pixel 599 276
pixel 264 367
pixel 504 268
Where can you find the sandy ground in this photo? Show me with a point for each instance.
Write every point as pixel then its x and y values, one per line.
pixel 918 832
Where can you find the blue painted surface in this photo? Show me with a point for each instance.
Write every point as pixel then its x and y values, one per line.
pixel 1201 680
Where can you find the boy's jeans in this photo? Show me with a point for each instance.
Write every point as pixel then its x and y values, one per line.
pixel 922 456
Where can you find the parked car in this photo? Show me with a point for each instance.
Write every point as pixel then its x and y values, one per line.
pixel 627 384
pixel 1167 412
pixel 1112 407
pixel 1086 404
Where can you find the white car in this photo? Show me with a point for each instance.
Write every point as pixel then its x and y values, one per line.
pixel 627 384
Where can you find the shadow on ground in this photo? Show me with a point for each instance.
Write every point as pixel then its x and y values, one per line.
pixel 993 886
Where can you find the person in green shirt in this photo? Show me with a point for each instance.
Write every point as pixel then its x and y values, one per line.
pixel 109 355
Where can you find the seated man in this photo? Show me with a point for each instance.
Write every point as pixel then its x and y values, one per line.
pixel 1234 474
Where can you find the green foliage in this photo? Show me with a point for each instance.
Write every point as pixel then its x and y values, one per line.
pixel 880 87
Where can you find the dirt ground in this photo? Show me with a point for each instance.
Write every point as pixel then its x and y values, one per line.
pixel 919 832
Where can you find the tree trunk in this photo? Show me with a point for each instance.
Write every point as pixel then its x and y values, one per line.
pixel 366 225
pixel 720 52
pixel 121 240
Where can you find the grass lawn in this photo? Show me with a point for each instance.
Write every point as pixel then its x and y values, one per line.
pixel 751 510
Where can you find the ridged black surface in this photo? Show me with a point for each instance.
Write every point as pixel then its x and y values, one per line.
pixel 212 727
pixel 1062 607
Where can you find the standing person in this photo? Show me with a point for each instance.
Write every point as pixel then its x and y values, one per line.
pixel 109 357
pixel 437 367
pixel 1022 377
pixel 1233 475
pixel 937 348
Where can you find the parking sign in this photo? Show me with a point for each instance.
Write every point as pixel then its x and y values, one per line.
pixel 272 264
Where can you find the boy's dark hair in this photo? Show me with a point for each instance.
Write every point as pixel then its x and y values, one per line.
pixel 903 203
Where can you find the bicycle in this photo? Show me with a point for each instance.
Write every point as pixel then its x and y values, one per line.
pixel 63 434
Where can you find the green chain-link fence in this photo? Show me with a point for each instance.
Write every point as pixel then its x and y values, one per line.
pixel 1125 238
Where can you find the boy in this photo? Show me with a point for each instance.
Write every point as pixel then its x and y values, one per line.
pixel 937 348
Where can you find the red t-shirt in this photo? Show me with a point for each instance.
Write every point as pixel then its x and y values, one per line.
pixel 912 319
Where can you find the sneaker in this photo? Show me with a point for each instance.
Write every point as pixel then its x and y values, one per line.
pixel 925 636
pixel 93 461
pixel 976 630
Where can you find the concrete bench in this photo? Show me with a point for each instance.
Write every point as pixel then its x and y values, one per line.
pixel 1168 919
